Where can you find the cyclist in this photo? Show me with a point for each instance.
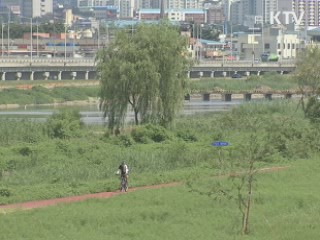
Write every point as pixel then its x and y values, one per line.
pixel 124 171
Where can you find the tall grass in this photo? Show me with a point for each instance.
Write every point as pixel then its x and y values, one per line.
pixel 35 165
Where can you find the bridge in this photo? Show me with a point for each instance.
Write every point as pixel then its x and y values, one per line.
pixel 85 68
pixel 227 96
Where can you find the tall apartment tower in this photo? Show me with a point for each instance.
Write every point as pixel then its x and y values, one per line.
pixel 183 4
pixel 36 8
pixel 310 9
pixel 126 8
pixel 148 3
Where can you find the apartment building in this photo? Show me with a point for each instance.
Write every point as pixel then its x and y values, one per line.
pixel 36 8
pixel 310 9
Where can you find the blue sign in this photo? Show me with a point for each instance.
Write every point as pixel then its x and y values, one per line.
pixel 220 144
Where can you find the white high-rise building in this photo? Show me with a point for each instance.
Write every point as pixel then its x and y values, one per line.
pixel 183 4
pixel 310 9
pixel 36 8
pixel 126 8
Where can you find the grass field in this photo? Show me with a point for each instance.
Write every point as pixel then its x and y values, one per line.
pixel 285 206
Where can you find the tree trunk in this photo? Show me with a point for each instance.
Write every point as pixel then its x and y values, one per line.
pixel 136 119
pixel 245 229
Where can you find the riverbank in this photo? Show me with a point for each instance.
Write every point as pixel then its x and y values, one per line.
pixel 90 101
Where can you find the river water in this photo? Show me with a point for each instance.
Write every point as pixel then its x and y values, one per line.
pixel 90 114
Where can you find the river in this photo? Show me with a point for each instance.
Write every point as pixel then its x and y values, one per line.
pixel 90 114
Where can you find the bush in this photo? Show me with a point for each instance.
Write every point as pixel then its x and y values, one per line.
pixel 140 135
pixel 147 133
pixel 125 140
pixel 4 192
pixel 312 110
pixel 187 135
pixel 25 151
pixel 64 125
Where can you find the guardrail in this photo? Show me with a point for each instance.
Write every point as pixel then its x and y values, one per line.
pixel 89 62
pixel 245 63
pixel 40 62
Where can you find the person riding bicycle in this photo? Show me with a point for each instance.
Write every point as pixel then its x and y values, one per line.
pixel 124 171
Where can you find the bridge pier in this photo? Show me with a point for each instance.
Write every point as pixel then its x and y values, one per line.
pixel 247 96
pixel 60 75
pixel 31 76
pixel 224 74
pixel 3 76
pixel 46 75
pixel 86 75
pixel 287 95
pixel 188 74
pixel 73 75
pixel 212 74
pixel 18 76
pixel 201 74
pixel 206 97
pixel 226 97
pixel 268 96
pixel 247 73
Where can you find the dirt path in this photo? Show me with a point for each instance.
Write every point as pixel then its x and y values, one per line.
pixel 55 201
pixel 51 202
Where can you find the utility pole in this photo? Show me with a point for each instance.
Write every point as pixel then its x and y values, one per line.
pixel 8 41
pixel 162 9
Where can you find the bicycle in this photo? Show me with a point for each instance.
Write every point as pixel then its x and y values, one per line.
pixel 124 183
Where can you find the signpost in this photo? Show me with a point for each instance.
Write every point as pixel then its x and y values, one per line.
pixel 220 144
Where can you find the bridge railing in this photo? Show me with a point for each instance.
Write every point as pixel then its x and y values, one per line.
pixel 17 62
pixel 245 63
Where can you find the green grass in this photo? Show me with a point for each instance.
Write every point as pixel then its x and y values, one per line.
pixel 36 166
pixel 273 82
pixel 74 91
pixel 285 206
pixel 41 95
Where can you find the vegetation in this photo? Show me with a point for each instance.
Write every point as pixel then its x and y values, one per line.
pixel 42 95
pixel 269 81
pixel 18 30
pixel 308 72
pixel 308 76
pixel 45 160
pixel 145 70
pixel 286 206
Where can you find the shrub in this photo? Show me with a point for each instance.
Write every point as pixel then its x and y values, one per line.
pixel 4 192
pixel 312 110
pixel 147 133
pixel 187 135
pixel 64 125
pixel 25 151
pixel 140 135
pixel 125 140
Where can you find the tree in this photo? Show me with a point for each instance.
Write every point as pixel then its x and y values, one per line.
pixel 307 73
pixel 143 68
pixel 308 69
pixel 250 150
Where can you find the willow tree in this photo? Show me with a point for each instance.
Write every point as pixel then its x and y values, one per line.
pixel 144 69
